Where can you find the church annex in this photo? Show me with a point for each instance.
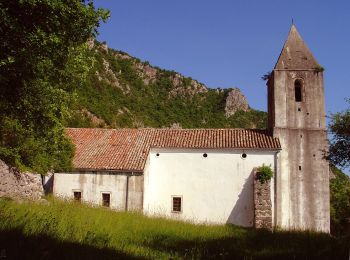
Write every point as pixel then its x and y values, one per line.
pixel 208 175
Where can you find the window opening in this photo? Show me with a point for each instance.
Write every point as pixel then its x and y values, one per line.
pixel 298 91
pixel 106 199
pixel 177 204
pixel 77 195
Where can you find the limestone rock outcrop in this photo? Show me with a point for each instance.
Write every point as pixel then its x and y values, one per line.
pixel 235 101
pixel 19 185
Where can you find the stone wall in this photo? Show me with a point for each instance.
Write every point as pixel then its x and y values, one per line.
pixel 302 179
pixel 262 204
pixel 18 185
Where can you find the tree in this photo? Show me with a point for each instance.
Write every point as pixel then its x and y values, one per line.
pixel 42 60
pixel 340 202
pixel 339 152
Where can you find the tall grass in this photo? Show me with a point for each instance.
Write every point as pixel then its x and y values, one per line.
pixel 85 232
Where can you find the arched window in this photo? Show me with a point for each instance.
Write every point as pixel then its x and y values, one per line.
pixel 298 90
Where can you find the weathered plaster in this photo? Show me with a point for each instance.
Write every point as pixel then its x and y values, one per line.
pixel 215 189
pixel 93 184
pixel 302 181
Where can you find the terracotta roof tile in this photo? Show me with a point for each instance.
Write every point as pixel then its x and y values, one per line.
pixel 127 149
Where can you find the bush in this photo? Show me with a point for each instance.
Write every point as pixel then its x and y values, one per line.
pixel 264 173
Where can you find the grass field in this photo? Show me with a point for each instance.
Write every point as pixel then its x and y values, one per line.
pixel 68 230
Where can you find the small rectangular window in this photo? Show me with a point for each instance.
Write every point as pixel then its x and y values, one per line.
pixel 176 204
pixel 106 199
pixel 298 91
pixel 77 195
pixel 298 97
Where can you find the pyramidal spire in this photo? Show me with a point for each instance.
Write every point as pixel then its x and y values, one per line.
pixel 295 54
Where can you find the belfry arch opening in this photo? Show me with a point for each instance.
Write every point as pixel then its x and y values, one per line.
pixel 298 85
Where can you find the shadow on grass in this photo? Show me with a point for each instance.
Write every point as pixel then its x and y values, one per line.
pixel 259 244
pixel 253 244
pixel 14 245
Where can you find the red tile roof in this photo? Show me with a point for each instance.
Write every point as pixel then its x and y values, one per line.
pixel 127 149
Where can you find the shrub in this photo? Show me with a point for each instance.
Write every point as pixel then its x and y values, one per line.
pixel 264 173
pixel 267 76
pixel 319 68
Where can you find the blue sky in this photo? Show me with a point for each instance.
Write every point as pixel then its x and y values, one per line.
pixel 228 43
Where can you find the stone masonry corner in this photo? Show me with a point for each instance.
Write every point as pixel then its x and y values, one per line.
pixel 262 204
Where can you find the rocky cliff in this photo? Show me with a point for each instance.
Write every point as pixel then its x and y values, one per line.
pixel 123 91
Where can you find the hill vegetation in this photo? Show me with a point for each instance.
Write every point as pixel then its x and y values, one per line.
pixel 68 230
pixel 122 91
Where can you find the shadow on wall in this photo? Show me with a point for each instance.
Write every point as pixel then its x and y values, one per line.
pixel 47 182
pixel 242 213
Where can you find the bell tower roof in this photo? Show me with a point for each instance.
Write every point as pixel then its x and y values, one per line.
pixel 295 55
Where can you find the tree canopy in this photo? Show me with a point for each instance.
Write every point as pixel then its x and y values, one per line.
pixel 340 142
pixel 42 61
pixel 339 154
pixel 339 202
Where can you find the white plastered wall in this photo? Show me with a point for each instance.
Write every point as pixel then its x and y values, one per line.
pixel 215 189
pixel 92 185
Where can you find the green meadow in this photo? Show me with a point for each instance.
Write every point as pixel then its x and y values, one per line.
pixel 70 230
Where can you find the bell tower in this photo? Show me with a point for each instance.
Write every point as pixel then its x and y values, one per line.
pixel 296 115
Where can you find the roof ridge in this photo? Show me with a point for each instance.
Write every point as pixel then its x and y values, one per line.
pixel 162 129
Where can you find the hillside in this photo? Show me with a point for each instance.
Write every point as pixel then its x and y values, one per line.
pixel 123 91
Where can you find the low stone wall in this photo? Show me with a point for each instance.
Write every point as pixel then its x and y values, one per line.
pixel 262 204
pixel 18 185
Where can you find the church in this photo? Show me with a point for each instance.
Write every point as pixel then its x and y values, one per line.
pixel 210 175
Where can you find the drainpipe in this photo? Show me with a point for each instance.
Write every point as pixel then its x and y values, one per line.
pixel 127 192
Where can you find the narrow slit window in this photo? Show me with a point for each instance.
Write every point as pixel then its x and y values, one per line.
pixel 77 195
pixel 298 90
pixel 177 204
pixel 106 199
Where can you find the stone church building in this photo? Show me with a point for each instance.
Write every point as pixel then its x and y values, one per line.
pixel 209 175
